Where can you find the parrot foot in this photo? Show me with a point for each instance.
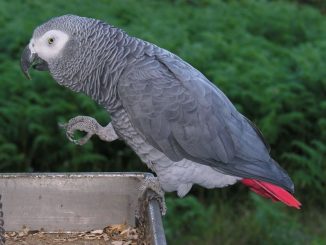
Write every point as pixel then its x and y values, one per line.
pixel 91 127
pixel 151 189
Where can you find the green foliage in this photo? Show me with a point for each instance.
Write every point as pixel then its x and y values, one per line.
pixel 262 222
pixel 320 4
pixel 309 176
pixel 275 225
pixel 187 221
pixel 269 57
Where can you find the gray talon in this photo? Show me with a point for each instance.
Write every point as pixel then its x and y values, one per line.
pixel 151 189
pixel 90 126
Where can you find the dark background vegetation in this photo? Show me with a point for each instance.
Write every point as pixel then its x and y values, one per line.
pixel 269 57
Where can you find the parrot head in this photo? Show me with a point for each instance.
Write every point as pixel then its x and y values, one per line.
pixel 60 46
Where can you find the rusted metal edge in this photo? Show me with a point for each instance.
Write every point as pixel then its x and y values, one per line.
pixel 2 230
pixel 155 223
pixel 75 174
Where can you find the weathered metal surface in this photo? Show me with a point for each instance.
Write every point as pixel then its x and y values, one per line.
pixel 155 226
pixel 2 231
pixel 75 202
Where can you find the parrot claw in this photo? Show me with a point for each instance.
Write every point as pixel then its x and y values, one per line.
pixel 151 189
pixel 82 140
pixel 80 123
pixel 90 126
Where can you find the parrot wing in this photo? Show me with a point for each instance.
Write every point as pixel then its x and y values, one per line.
pixel 182 114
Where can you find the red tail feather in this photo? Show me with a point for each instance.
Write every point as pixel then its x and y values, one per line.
pixel 271 191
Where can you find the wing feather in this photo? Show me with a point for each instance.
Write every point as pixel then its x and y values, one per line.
pixel 178 111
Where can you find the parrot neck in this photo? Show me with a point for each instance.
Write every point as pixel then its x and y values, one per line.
pixel 96 73
pixel 107 63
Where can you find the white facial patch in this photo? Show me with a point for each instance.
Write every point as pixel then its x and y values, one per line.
pixel 49 45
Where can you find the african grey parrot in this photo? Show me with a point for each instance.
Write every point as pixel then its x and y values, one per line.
pixel 178 122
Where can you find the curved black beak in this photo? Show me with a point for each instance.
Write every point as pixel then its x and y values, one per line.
pixel 26 61
pixel 29 59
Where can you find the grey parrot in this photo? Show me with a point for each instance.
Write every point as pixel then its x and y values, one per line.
pixel 179 123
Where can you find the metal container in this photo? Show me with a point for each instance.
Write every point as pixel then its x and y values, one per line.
pixel 78 202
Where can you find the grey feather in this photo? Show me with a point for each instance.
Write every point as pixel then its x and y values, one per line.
pixel 182 114
pixel 176 120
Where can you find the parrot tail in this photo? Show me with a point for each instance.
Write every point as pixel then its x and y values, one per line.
pixel 271 191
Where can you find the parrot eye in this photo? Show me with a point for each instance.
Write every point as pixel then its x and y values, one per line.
pixel 50 44
pixel 50 40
